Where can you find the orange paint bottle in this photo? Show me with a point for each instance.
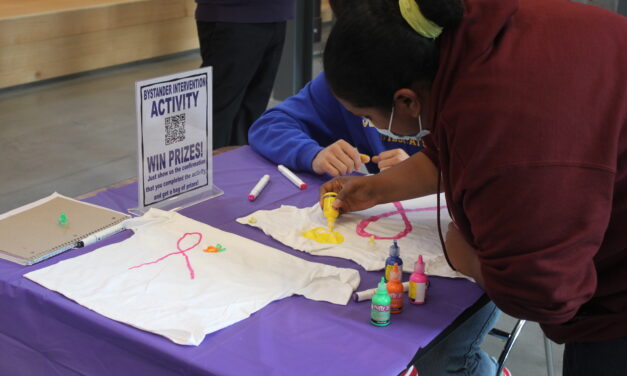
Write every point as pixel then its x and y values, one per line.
pixel 395 289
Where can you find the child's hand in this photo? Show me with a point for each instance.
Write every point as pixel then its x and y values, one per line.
pixel 339 158
pixel 389 158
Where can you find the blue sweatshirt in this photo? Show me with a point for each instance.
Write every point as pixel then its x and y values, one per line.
pixel 247 11
pixel 293 132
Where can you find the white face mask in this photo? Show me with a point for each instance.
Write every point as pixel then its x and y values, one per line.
pixel 388 132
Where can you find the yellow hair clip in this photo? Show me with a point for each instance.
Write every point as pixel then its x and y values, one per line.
pixel 412 14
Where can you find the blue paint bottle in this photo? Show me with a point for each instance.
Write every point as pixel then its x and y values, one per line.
pixel 394 258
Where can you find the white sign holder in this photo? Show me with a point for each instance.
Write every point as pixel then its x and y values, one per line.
pixel 174 128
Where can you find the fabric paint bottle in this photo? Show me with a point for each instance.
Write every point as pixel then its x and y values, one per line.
pixel 394 258
pixel 380 307
pixel 418 283
pixel 328 211
pixel 395 289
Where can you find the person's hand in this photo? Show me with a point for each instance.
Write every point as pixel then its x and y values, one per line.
pixel 389 158
pixel 354 193
pixel 339 158
pixel 462 255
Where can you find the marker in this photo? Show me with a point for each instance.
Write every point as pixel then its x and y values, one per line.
pixel 261 184
pixel 91 239
pixel 293 178
pixel 360 296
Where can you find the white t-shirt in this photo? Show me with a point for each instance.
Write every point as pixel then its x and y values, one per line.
pixel 183 279
pixel 417 233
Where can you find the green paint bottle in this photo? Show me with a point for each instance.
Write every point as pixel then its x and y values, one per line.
pixel 380 308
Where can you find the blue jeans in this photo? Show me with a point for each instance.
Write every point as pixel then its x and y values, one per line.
pixel 460 353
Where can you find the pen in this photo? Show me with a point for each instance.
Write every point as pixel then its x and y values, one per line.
pixel 293 178
pixel 98 236
pixel 360 296
pixel 261 184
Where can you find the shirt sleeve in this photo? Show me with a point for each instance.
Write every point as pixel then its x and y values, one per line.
pixel 293 132
pixel 537 230
pixel 430 151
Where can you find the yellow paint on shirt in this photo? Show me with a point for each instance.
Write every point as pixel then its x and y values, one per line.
pixel 323 235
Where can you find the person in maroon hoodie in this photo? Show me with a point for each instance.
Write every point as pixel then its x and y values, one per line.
pixel 242 40
pixel 526 101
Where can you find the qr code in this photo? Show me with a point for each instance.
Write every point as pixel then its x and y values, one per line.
pixel 174 129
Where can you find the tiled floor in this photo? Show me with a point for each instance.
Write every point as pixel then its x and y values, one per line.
pixel 78 134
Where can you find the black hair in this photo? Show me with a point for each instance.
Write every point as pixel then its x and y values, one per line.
pixel 337 6
pixel 372 51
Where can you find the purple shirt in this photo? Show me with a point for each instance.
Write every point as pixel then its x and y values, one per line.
pixel 244 11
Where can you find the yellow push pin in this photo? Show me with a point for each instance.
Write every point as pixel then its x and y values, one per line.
pixel 371 241
pixel 252 220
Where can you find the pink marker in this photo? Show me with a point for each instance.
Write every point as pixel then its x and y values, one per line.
pixel 293 178
pixel 258 187
pixel 418 283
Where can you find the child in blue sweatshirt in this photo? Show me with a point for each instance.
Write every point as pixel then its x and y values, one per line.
pixel 311 131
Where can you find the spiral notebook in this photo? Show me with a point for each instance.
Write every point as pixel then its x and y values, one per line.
pixel 32 233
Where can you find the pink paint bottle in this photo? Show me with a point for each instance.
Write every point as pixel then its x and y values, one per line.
pixel 418 283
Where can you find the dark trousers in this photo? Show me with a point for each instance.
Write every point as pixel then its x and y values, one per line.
pixel 606 358
pixel 245 59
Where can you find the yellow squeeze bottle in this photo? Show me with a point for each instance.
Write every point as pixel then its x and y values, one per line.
pixel 328 211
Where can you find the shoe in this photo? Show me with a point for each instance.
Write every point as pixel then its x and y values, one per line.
pixel 506 372
pixel 411 371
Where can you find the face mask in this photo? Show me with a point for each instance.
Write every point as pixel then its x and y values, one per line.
pixel 388 132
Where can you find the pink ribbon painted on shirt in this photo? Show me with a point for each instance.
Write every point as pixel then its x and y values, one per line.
pixel 180 252
pixel 361 227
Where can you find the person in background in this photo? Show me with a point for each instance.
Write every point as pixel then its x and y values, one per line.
pixel 242 40
pixel 311 131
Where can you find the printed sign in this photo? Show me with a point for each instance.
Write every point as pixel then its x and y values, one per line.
pixel 174 134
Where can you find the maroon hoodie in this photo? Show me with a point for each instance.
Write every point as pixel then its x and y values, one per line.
pixel 529 108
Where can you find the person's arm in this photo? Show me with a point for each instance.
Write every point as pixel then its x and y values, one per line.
pixel 462 256
pixel 295 131
pixel 414 177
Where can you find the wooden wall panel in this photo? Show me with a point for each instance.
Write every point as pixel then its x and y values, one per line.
pixel 28 8
pixel 59 43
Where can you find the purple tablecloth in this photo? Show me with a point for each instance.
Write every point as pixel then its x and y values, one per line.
pixel 43 333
